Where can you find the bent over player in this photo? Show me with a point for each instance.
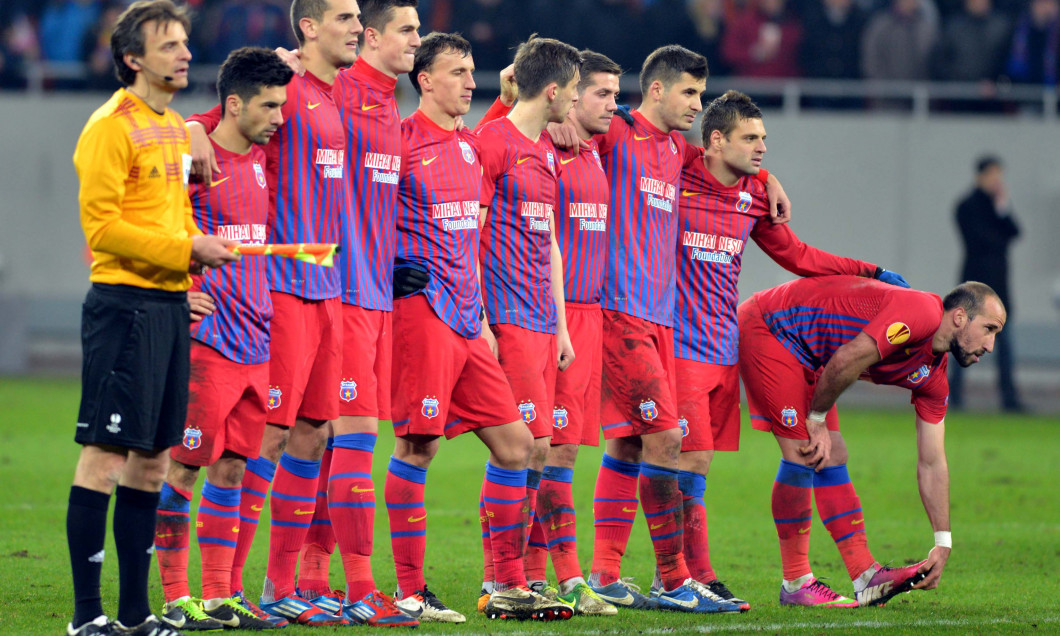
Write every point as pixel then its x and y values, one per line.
pixel 801 345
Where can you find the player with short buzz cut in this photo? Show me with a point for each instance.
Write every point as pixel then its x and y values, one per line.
pixel 364 95
pixel 446 379
pixel 308 193
pixel 724 204
pixel 229 354
pixel 522 270
pixel 805 342
pixel 132 163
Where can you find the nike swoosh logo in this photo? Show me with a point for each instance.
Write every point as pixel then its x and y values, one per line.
pixel 803 530
pixel 176 623
pixel 311 105
pixel 303 512
pixel 689 193
pixel 171 534
pixel 369 106
pixel 428 162
pixel 555 527
pixel 854 523
pixel 635 137
pixel 566 161
pixel 520 162
pixel 614 600
pixel 219 181
pixel 359 489
pixel 235 528
pixel 255 508
pixel 624 509
pixel 689 604
pixel 656 526
pixel 417 519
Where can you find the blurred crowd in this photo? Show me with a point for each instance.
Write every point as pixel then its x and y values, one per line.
pixel 985 41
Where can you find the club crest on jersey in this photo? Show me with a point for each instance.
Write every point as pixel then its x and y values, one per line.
pixel 551 162
pixel 744 204
pixel 466 152
pixel 259 174
pixel 673 146
pixel 274 397
pixel 528 411
pixel 559 418
pixel 192 438
pixel 430 407
pixel 918 376
pixel 789 417
pixel 897 333
pixel 683 423
pixel 598 162
pixel 348 390
pixel 648 411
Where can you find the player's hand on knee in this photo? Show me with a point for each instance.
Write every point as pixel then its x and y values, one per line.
pixel 203 158
pixel 212 250
pixel 201 304
pixel 779 203
pixel 819 447
pixel 292 59
pixel 932 568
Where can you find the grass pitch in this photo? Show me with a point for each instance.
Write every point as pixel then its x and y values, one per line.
pixel 1001 577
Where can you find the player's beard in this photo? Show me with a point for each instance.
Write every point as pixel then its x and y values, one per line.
pixel 960 354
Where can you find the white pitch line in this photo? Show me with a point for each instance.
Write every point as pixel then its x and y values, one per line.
pixel 780 627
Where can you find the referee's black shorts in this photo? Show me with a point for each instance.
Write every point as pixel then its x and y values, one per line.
pixel 134 376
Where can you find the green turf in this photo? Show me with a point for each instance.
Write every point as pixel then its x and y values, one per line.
pixel 1002 576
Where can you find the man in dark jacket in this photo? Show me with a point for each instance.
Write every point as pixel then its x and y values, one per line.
pixel 987 226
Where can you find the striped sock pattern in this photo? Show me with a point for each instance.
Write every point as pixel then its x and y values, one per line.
pixel 792 514
pixel 662 509
pixel 840 510
pixel 555 507
pixel 697 548
pixel 256 482
pixel 351 498
pixel 504 495
pixel 292 506
pixel 217 529
pixel 172 530
pixel 614 509
pixel 403 493
pixel 315 559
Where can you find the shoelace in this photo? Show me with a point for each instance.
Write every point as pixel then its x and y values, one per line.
pixel 430 600
pixel 720 589
pixel 627 581
pixel 194 610
pixel 823 588
pixel 704 591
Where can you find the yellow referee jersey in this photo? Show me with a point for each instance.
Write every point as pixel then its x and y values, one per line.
pixel 135 209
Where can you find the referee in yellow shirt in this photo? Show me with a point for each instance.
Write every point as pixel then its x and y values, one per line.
pixel 133 162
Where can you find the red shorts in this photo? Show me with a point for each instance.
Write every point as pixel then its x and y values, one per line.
pixel 779 388
pixel 304 359
pixel 226 408
pixel 576 418
pixel 443 383
pixel 367 344
pixel 529 360
pixel 639 380
pixel 708 405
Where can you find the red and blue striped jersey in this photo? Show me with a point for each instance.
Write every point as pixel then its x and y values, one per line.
pixel 438 215
pixel 365 98
pixel 519 188
pixel 812 317
pixel 305 163
pixel 714 225
pixel 643 166
pixel 236 207
pixel 582 202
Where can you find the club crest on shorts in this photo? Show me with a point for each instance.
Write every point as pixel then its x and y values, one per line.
pixel 559 418
pixel 192 438
pixel 274 397
pixel 648 411
pixel 744 204
pixel 528 411
pixel 348 390
pixel 259 174
pixel 918 376
pixel 789 417
pixel 897 333
pixel 430 407
pixel 466 152
pixel 683 423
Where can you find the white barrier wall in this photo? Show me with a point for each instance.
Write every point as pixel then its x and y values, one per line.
pixel 878 187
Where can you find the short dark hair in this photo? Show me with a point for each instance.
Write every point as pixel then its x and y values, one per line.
pixel 248 70
pixel 128 35
pixel 725 112
pixel 431 46
pixel 376 14
pixel 666 64
pixel 592 63
pixel 314 9
pixel 541 61
pixel 970 295
pixel 986 162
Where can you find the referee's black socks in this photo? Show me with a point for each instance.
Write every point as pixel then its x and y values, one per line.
pixel 86 529
pixel 134 538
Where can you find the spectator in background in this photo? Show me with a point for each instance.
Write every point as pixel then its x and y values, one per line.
pixel 973 45
pixel 493 27
pixel 762 40
pixel 1036 44
pixel 237 23
pixel 18 44
pixel 898 41
pixel 831 46
pixel 696 25
pixel 96 53
pixel 63 27
pixel 987 226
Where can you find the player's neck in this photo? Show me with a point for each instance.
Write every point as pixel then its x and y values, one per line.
pixel 438 117
pixel 940 342
pixel 530 118
pixel 373 59
pixel 717 169
pixel 318 65
pixel 654 117
pixel 156 98
pixel 228 136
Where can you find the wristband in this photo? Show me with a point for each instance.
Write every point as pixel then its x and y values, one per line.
pixel 816 417
pixel 943 539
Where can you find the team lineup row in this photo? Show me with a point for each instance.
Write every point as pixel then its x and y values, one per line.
pixel 564 268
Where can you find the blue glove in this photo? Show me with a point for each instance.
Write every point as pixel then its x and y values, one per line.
pixel 889 277
pixel 625 113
